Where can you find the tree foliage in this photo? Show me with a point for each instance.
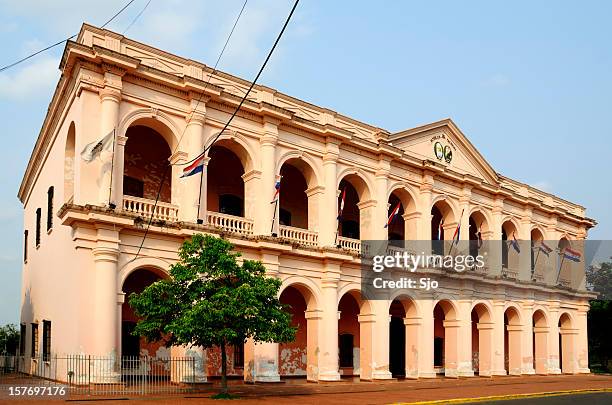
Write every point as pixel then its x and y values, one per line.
pixel 599 279
pixel 9 339
pixel 212 300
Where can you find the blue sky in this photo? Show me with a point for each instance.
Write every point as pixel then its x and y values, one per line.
pixel 528 82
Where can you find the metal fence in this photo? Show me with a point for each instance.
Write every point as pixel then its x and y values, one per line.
pixel 96 375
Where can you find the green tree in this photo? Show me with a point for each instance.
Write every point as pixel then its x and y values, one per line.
pixel 9 339
pixel 211 300
pixel 599 279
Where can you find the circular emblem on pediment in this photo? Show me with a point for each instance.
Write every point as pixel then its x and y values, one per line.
pixel 439 150
pixel 448 154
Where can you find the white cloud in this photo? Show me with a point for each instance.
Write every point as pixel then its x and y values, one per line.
pixel 34 79
pixel 497 80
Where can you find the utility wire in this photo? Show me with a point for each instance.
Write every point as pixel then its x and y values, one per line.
pixel 62 41
pixel 163 178
pixel 249 90
pixel 137 17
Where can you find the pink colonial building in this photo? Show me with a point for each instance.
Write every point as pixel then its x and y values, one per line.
pixel 84 223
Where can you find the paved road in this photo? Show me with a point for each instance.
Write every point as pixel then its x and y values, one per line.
pixel 599 398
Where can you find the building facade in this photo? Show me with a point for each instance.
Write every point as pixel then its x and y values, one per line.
pixel 84 223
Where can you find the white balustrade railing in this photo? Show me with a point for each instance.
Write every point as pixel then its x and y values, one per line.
pixel 147 208
pixel 299 235
pixel 231 223
pixel 354 245
pixel 510 273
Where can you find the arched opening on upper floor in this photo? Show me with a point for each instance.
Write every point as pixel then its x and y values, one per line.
pixel 299 356
pixel 225 183
pixel 293 199
pixel 399 226
pixel 69 154
pixel 353 191
pixel 482 339
pixel 147 155
pixel 445 342
pixel 134 346
pixel 509 246
pixel 512 341
pixel 567 360
pixel 478 231
pixel 442 223
pixel 540 342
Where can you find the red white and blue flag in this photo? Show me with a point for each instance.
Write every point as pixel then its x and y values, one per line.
pixel 514 243
pixel 393 215
pixel 544 248
pixel 277 186
pixel 457 233
pixel 341 204
pixel 194 168
pixel 571 254
pixel 479 236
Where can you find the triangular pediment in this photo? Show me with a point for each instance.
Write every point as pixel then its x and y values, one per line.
pixel 444 143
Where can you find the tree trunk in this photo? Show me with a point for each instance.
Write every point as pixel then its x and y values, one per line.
pixel 223 368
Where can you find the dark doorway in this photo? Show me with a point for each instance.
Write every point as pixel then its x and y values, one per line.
pixel 397 347
pixel 346 350
pixel 438 352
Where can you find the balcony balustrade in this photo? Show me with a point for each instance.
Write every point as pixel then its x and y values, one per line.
pixel 147 208
pixel 299 235
pixel 350 244
pixel 230 223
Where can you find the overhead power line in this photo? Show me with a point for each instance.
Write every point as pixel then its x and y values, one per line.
pixel 62 41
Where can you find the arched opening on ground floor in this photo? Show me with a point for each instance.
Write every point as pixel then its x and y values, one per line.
pixel 482 336
pixel 566 344
pixel 349 341
pixel 403 338
pixel 134 346
pixel 540 342
pixel 294 357
pixel 445 342
pixel 512 341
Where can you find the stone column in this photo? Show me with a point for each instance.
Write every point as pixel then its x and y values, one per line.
pixel 553 259
pixel 524 239
pixel 424 221
pixel 581 340
pixel 413 346
pixel 377 226
pixel 554 366
pixel 267 144
pixel 451 348
pixel 194 146
pixel 104 319
pixel 464 334
pixel 313 326
pixel 328 342
pixel 516 366
pixel 110 98
pixel 328 221
pixel 316 197
pixel 426 337
pixel 541 349
pixel 498 366
pixel 366 339
pixel 527 353
pixel 494 245
pixel 485 348
pixel 380 344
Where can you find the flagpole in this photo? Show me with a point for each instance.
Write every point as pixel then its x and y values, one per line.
pixel 535 263
pixel 274 215
pixel 111 205
pixel 199 220
pixel 559 271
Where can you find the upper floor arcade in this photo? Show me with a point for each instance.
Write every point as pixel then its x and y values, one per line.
pixel 340 180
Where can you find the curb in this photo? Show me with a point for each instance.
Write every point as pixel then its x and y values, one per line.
pixel 508 397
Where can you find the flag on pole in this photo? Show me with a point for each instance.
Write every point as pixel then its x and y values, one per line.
pixel 440 229
pixel 194 168
pixel 341 204
pixel 479 236
pixel 277 186
pixel 571 254
pixel 514 243
pixel 544 248
pixel 94 149
pixel 393 215
pixel 457 233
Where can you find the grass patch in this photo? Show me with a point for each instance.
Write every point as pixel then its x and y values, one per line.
pixel 224 395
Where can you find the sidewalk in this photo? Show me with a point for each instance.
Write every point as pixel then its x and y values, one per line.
pixel 350 393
